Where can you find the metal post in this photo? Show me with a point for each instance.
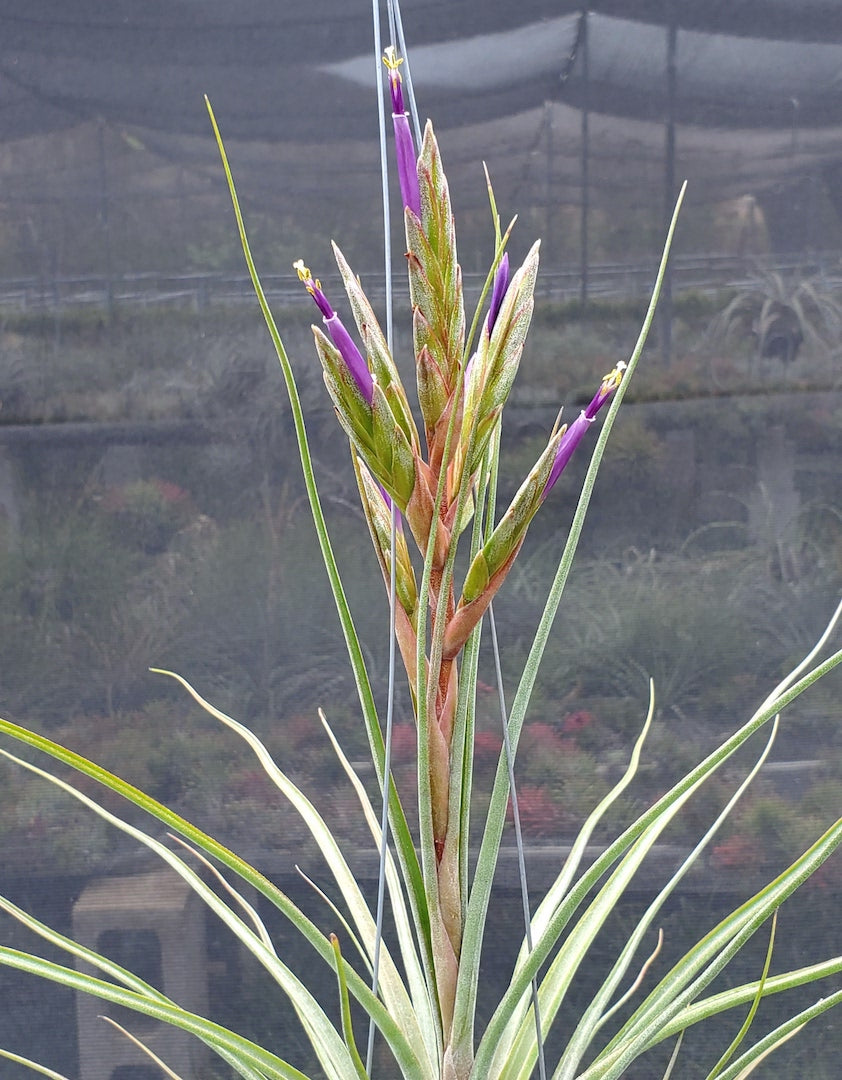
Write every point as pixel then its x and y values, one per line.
pixel 585 177
pixel 104 217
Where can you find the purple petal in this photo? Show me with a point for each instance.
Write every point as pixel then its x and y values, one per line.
pixel 351 355
pixel 395 82
pixel 569 441
pixel 314 288
pixel 404 142
pixel 576 432
pixel 338 334
pixel 387 499
pixel 609 384
pixel 407 164
pixel 498 291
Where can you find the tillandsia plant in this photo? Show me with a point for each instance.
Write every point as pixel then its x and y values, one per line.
pixel 432 486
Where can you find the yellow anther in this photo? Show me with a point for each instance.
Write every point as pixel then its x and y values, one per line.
pixel 302 271
pixel 391 58
pixel 613 379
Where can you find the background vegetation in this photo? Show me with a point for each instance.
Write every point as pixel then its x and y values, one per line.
pixel 152 515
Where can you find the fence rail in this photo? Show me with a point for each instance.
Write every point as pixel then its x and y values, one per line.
pixel 203 290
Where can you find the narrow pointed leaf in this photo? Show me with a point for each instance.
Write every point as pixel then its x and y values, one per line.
pixel 404 842
pixel 216 1036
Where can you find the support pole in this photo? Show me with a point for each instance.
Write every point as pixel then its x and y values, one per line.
pixel 584 257
pixel 104 201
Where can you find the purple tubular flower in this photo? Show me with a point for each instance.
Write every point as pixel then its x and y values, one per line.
pixel 404 143
pixel 498 291
pixel 569 441
pixel 338 334
pixel 609 384
pixel 576 432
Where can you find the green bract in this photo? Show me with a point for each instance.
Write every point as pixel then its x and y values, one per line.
pixel 495 365
pixel 435 286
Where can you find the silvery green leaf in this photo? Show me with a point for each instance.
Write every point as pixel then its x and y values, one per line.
pixel 425 289
pixel 476 579
pixel 378 515
pixel 512 526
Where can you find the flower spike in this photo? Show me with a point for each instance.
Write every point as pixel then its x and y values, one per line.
pixel 338 334
pixel 404 143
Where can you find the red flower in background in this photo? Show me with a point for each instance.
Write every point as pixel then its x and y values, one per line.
pixel 124 496
pixel 735 853
pixel 301 729
pixel 540 738
pixel 255 784
pixel 577 721
pixel 487 747
pixel 404 743
pixel 169 492
pixel 540 815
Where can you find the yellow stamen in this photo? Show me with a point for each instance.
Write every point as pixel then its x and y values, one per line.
pixel 391 58
pixel 613 379
pixel 302 271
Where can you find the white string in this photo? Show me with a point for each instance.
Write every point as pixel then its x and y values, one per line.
pixel 387 757
pixel 396 28
pixel 397 39
pixel 521 860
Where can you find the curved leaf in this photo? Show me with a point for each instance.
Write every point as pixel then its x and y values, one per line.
pixel 107 967
pixel 214 1035
pixel 421 995
pixel 391 1031
pixel 324 1038
pixel 595 1014
pixel 33 1065
pixel 466 993
pixel 701 965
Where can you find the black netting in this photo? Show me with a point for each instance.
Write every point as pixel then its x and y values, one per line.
pixel 108 165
